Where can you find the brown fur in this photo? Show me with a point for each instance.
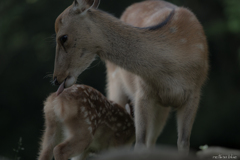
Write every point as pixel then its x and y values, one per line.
pixel 155 69
pixel 86 121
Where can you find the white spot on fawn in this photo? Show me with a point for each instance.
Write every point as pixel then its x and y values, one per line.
pixel 82 87
pixel 86 92
pixel 91 104
pixel 85 114
pixel 93 97
pixel 90 129
pixel 88 121
pixel 74 89
pixel 89 90
pixel 82 109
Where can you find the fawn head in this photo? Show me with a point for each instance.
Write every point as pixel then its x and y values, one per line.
pixel 76 41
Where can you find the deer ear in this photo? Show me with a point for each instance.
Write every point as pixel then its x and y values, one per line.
pixel 85 5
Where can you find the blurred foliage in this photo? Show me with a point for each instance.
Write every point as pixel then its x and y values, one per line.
pixel 27 58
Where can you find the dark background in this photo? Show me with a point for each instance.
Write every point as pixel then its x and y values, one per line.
pixel 27 49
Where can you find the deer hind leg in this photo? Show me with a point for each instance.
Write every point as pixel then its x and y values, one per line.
pixel 150 118
pixel 185 118
pixel 78 140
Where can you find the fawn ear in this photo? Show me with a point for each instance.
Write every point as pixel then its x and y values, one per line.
pixel 85 5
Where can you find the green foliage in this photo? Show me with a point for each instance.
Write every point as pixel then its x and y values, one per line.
pixel 18 150
pixel 232 13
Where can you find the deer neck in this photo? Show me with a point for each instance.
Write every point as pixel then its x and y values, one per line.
pixel 126 46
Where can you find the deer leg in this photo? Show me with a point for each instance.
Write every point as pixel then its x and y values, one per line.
pixel 156 123
pixel 150 119
pixel 50 138
pixel 73 146
pixel 115 91
pixel 78 140
pixel 140 121
pixel 185 118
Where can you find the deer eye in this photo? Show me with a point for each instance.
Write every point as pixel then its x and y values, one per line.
pixel 63 39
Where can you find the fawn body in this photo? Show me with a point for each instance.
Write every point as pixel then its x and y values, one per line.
pixel 156 55
pixel 87 122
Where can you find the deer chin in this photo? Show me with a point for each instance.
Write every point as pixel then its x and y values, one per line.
pixel 68 82
pixel 71 80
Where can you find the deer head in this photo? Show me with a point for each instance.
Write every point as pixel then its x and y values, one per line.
pixel 76 43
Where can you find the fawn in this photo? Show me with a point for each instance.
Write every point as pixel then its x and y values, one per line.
pixel 86 121
pixel 156 56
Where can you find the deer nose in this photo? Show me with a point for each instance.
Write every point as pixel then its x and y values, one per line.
pixel 55 81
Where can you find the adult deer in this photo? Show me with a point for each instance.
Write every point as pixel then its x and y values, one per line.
pixel 87 121
pixel 156 55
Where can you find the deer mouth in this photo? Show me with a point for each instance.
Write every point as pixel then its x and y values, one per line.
pixel 68 82
pixel 61 88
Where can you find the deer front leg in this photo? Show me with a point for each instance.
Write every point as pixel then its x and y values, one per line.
pixel 71 147
pixel 116 94
pixel 49 140
pixel 156 122
pixel 185 118
pixel 150 118
pixel 115 91
pixel 79 139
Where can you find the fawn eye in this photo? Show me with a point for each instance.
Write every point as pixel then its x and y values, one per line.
pixel 63 39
